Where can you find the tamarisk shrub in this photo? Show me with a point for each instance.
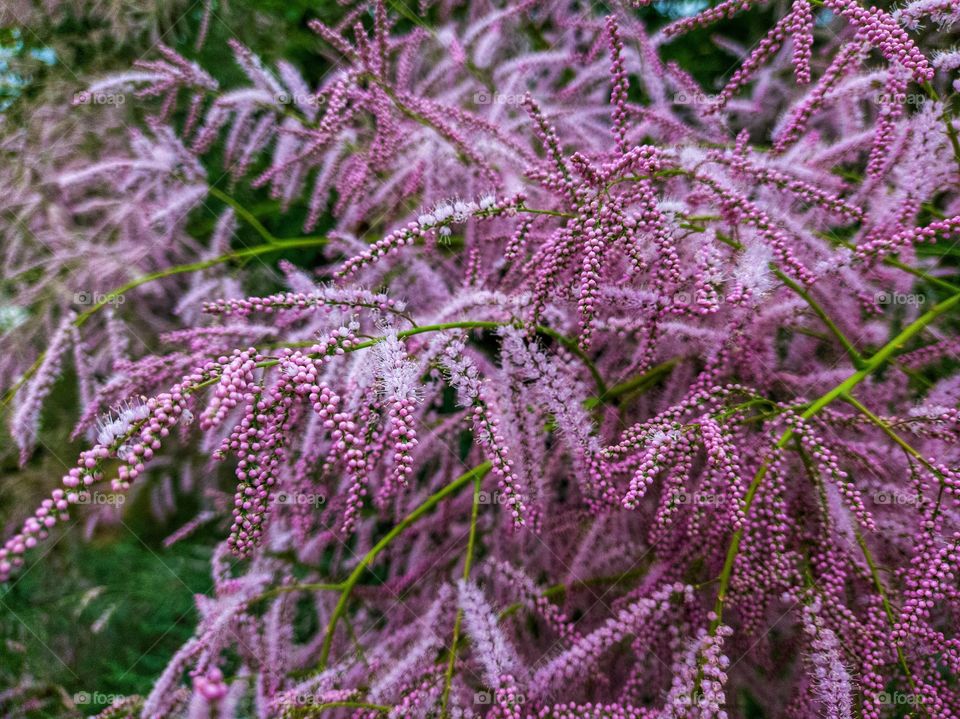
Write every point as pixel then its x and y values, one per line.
pixel 616 398
pixel 79 242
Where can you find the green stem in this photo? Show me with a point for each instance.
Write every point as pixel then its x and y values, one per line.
pixel 824 317
pixel 467 562
pixel 905 446
pixel 855 356
pixel 317 710
pixel 639 382
pixel 461 325
pixel 311 587
pixel 868 557
pixel 243 254
pixel 887 606
pixel 574 347
pixel 244 213
pixel 891 261
pixel 551 213
pixel 889 431
pixel 947 120
pixel 844 388
pixel 432 501
pixel 942 284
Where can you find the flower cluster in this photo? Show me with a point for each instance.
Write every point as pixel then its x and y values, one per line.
pixel 588 391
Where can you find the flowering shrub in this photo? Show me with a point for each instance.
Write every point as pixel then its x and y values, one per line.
pixel 613 398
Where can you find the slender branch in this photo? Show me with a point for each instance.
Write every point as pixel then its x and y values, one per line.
pixel 560 589
pixel 891 261
pixel 855 356
pixel 243 254
pixel 552 213
pixel 574 347
pixel 868 557
pixel 942 284
pixel 462 325
pixel 844 388
pixel 889 431
pixel 246 253
pixel 887 606
pixel 635 383
pixel 432 501
pixel 320 708
pixel 467 562
pixel 244 213
pixel 310 587
pixel 947 120
pixel 905 446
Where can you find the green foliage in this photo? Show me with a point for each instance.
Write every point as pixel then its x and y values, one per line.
pixel 103 617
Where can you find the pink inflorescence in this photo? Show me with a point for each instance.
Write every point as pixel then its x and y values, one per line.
pixel 605 393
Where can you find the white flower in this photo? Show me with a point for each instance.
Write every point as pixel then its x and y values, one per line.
pixel 929 411
pixel 442 212
pixel 673 208
pixel 460 211
pixel 111 428
pixel 753 270
pixel 660 437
